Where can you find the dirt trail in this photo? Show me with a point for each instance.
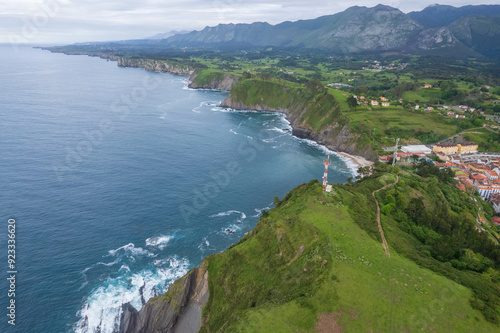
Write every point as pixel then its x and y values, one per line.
pixel 384 241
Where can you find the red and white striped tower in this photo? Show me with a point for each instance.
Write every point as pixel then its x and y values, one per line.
pixel 325 175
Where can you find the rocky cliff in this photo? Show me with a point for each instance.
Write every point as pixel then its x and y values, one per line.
pixel 177 311
pixel 315 118
pixel 157 66
pixel 219 82
pixel 199 79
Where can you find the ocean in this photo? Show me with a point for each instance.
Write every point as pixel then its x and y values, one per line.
pixel 120 180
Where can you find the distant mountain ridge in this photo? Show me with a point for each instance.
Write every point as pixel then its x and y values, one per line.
pixel 444 31
pixel 436 30
pixel 435 16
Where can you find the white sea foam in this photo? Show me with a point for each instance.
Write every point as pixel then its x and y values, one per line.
pixel 221 109
pixel 205 245
pixel 102 309
pixel 124 267
pixel 231 229
pixel 233 131
pixel 271 140
pixel 353 167
pixel 280 130
pixel 229 212
pixel 199 108
pixel 158 241
pixel 84 272
pixel 260 210
pixel 130 249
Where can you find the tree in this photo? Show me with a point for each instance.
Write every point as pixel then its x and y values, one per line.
pixel 314 85
pixel 365 171
pixel 352 102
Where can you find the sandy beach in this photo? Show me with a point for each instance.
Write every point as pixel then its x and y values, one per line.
pixel 358 160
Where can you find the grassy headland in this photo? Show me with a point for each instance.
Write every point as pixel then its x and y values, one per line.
pixel 318 255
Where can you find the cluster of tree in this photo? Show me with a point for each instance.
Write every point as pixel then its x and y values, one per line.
pixel 426 169
pixel 443 220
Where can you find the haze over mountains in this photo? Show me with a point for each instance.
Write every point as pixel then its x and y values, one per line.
pixel 470 31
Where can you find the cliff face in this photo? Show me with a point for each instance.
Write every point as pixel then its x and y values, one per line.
pixel 315 118
pixel 199 79
pixel 219 82
pixel 156 66
pixel 177 311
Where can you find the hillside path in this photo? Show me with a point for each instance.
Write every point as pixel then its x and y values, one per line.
pixel 384 241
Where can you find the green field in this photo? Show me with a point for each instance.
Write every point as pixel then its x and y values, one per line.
pixel 423 95
pixel 386 122
pixel 487 140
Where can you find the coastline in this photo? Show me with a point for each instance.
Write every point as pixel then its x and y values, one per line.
pixel 353 162
pixel 358 160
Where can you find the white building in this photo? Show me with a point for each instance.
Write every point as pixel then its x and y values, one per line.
pixel 416 149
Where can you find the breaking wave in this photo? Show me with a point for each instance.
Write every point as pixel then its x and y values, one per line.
pixel 132 277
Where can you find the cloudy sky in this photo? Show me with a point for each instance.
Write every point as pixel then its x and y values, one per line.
pixel 71 21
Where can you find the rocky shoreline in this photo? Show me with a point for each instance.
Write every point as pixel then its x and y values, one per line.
pixel 180 309
pixel 336 137
pixel 177 311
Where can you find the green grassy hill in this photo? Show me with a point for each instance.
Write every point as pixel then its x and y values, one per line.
pixel 310 106
pixel 312 110
pixel 315 262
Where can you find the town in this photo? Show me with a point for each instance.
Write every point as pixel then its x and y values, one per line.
pixel 474 170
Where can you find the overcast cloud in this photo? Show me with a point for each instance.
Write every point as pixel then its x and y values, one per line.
pixel 71 21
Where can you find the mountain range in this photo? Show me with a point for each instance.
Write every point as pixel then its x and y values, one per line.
pixel 472 31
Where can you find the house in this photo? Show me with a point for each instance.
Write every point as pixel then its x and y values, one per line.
pixel 374 103
pixel 417 107
pixel 467 148
pixel 362 97
pixel 492 175
pixel 401 101
pixel 386 104
pixel 427 85
pixel 461 116
pixel 450 113
pixel 483 187
pixel 416 149
pixel 383 99
pixel 430 108
pixel 450 149
pixel 496 220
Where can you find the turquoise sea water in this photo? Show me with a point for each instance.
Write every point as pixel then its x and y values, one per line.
pixel 121 180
